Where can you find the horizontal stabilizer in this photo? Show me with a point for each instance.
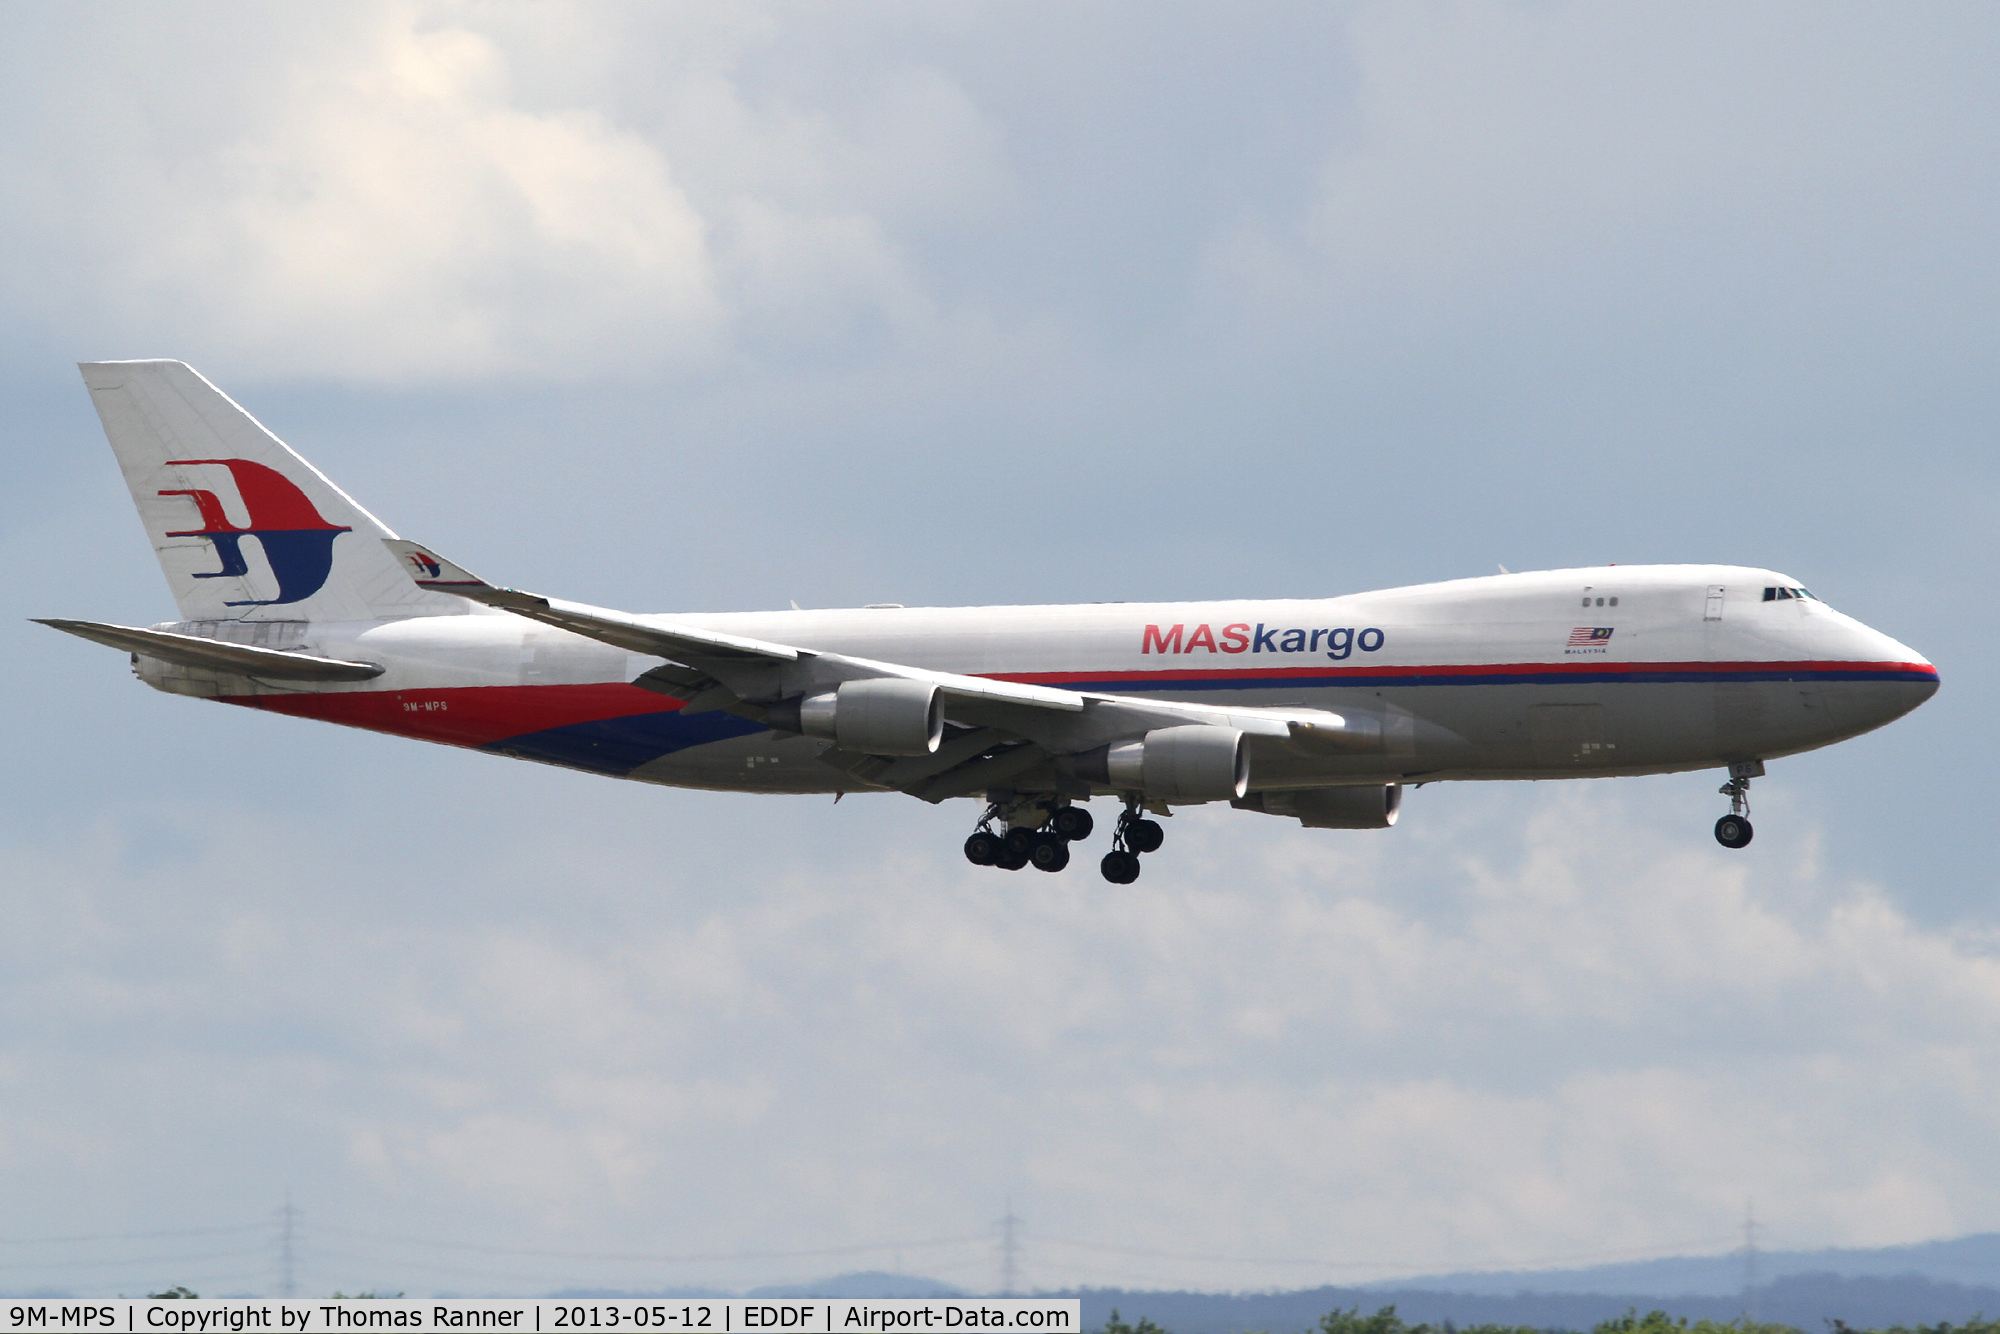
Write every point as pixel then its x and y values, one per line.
pixel 218 655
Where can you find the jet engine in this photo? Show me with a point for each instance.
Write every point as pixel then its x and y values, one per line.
pixel 881 716
pixel 1194 763
pixel 1370 807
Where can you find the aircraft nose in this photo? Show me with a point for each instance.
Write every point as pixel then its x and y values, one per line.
pixel 1884 678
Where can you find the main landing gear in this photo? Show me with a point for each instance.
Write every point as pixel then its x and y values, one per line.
pixel 1135 834
pixel 1045 847
pixel 1025 831
pixel 1733 830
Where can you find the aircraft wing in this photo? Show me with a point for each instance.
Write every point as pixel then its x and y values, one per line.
pixel 632 633
pixel 666 638
pixel 1002 728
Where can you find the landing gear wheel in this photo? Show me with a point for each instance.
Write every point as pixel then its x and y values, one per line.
pixel 1009 860
pixel 1144 835
pixel 1021 839
pixel 1050 853
pixel 1120 868
pixel 1074 823
pixel 1733 831
pixel 983 848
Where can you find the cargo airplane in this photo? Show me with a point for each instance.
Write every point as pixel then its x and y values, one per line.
pixel 293 599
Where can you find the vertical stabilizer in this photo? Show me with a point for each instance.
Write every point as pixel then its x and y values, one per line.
pixel 245 529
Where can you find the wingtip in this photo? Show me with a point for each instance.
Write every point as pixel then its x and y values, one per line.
pixel 427 569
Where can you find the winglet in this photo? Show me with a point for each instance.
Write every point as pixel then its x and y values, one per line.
pixel 429 570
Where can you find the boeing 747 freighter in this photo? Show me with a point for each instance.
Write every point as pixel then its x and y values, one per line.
pixel 294 599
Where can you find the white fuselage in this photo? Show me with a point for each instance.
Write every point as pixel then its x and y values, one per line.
pixel 1568 673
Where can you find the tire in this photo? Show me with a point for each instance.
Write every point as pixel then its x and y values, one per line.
pixel 1120 868
pixel 1144 836
pixel 1021 839
pixel 1074 823
pixel 1733 831
pixel 1009 860
pixel 1050 853
pixel 982 848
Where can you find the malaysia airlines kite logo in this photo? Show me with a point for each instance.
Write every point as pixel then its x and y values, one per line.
pixel 297 541
pixel 1585 637
pixel 427 567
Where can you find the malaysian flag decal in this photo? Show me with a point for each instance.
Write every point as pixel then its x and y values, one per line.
pixel 1586 637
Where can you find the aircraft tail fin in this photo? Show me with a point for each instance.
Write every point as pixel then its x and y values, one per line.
pixel 245 529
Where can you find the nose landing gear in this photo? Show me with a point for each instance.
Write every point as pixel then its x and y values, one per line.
pixel 1733 830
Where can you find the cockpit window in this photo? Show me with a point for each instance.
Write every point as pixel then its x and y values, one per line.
pixel 1774 594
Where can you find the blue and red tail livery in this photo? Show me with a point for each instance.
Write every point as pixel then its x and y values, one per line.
pixel 297 540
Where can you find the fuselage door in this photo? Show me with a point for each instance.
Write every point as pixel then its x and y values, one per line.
pixel 1712 610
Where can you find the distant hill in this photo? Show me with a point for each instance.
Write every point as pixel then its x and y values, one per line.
pixel 1928 1283
pixel 1805 1301
pixel 1973 1260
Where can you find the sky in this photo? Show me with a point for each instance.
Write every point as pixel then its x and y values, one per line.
pixel 711 306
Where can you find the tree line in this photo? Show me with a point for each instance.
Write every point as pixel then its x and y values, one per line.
pixel 1386 1321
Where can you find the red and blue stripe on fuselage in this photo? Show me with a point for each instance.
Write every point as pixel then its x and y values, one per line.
pixel 614 728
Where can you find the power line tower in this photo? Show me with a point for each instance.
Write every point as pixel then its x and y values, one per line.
pixel 1750 1262
pixel 288 1287
pixel 1010 1252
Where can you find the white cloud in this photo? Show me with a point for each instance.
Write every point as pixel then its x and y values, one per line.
pixel 371 205
pixel 1444 1045
pixel 380 194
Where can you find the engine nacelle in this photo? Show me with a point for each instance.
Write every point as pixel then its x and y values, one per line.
pixel 1173 764
pixel 1370 807
pixel 881 716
